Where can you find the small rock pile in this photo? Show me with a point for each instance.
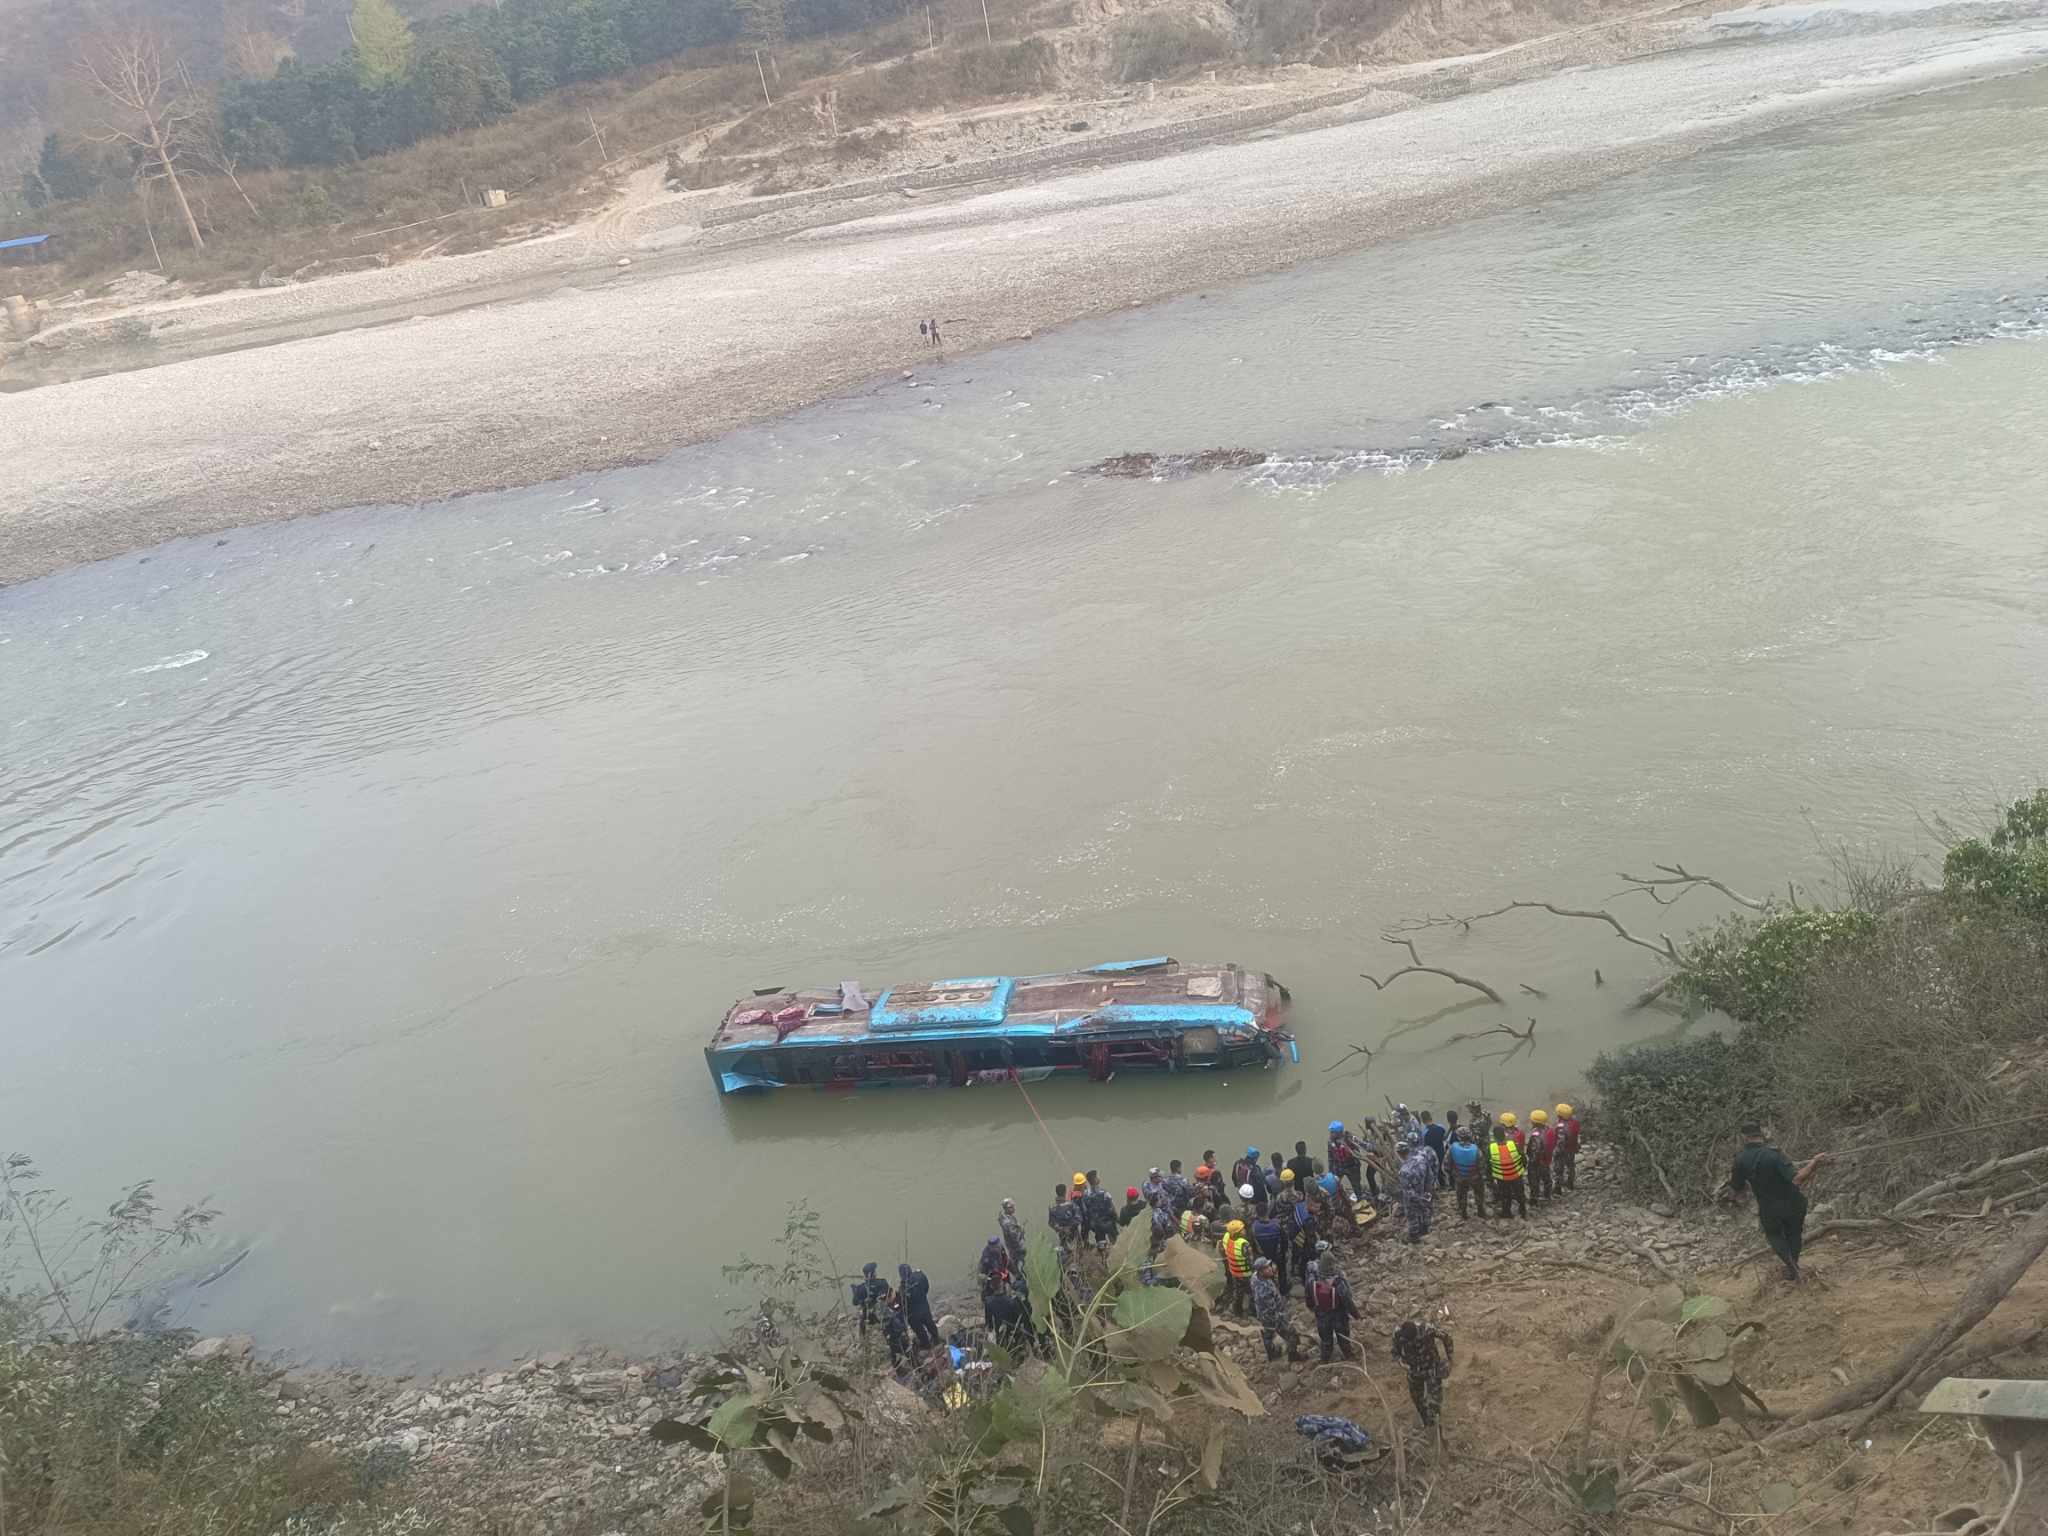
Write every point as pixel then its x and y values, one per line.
pixel 563 1435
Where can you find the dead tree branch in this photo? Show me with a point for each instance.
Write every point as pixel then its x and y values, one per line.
pixel 1661 946
pixel 1417 968
pixel 1657 1167
pixel 1677 875
pixel 1985 1293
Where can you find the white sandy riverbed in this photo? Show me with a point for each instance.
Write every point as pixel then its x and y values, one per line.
pixel 688 344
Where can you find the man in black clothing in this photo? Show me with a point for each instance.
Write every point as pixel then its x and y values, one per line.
pixel 915 1287
pixel 1303 1165
pixel 869 1296
pixel 1435 1137
pixel 1780 1196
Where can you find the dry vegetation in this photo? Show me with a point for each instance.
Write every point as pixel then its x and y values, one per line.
pixel 840 103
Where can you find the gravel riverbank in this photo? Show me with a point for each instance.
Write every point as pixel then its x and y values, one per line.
pixel 626 362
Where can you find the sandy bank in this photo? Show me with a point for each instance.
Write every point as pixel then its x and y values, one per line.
pixel 623 364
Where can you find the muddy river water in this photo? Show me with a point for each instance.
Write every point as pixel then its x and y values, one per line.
pixel 382 874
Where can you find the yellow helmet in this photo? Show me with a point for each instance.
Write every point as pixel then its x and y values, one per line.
pixel 1080 1181
pixel 1234 1228
pixel 1507 1117
pixel 1564 1111
pixel 1287 1176
pixel 1538 1117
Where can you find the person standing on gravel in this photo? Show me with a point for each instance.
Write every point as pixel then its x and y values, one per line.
pixel 1468 1171
pixel 1780 1193
pixel 1270 1307
pixel 1416 1346
pixel 1567 1149
pixel 1418 1188
pixel 1504 1163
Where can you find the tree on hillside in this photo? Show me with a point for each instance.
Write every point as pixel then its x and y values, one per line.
pixel 464 85
pixel 383 42
pixel 249 46
pixel 143 105
pixel 59 175
pixel 763 25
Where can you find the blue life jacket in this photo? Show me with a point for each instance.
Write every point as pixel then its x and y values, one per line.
pixel 1465 1156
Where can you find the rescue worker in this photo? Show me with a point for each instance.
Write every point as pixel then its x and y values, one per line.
pixel 1468 1172
pixel 1505 1166
pixel 896 1329
pixel 1302 1232
pixel 1134 1207
pixel 1162 1229
pixel 1237 1268
pixel 1013 1233
pixel 1369 1154
pixel 915 1287
pixel 1514 1129
pixel 1154 1189
pixel 868 1297
pixel 1210 1172
pixel 1329 1296
pixel 992 1277
pixel 1301 1165
pixel 1418 1189
pixel 1780 1193
pixel 1416 1346
pixel 1479 1123
pixel 1180 1194
pixel 1009 1320
pixel 1064 1215
pixel 1537 1149
pixel 1098 1216
pixel 1567 1148
pixel 1344 1156
pixel 1436 1138
pixel 1270 1307
pixel 1273 1190
pixel 1193 1225
pixel 1269 1240
pixel 1249 1179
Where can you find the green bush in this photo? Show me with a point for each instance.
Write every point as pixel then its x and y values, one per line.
pixel 2009 868
pixel 1684 1098
pixel 1756 969
pixel 1154 45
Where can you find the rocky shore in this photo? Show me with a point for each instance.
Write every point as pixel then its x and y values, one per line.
pixel 566 1432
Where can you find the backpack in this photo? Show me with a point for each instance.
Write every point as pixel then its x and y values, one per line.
pixel 1265 1231
pixel 1324 1297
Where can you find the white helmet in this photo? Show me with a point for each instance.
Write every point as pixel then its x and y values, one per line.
pixel 1244 1192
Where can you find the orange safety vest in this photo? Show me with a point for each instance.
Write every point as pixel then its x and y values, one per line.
pixel 1506 1159
pixel 1187 1225
pixel 1237 1257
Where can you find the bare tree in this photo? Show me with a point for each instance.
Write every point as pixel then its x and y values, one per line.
pixel 208 144
pixel 143 104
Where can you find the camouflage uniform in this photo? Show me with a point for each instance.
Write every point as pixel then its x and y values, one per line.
pixel 1013 1235
pixel 1418 1191
pixel 1270 1307
pixel 1415 1347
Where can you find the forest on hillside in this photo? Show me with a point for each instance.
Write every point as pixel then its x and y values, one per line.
pixel 302 82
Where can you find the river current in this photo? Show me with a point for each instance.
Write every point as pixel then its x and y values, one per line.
pixel 383 874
